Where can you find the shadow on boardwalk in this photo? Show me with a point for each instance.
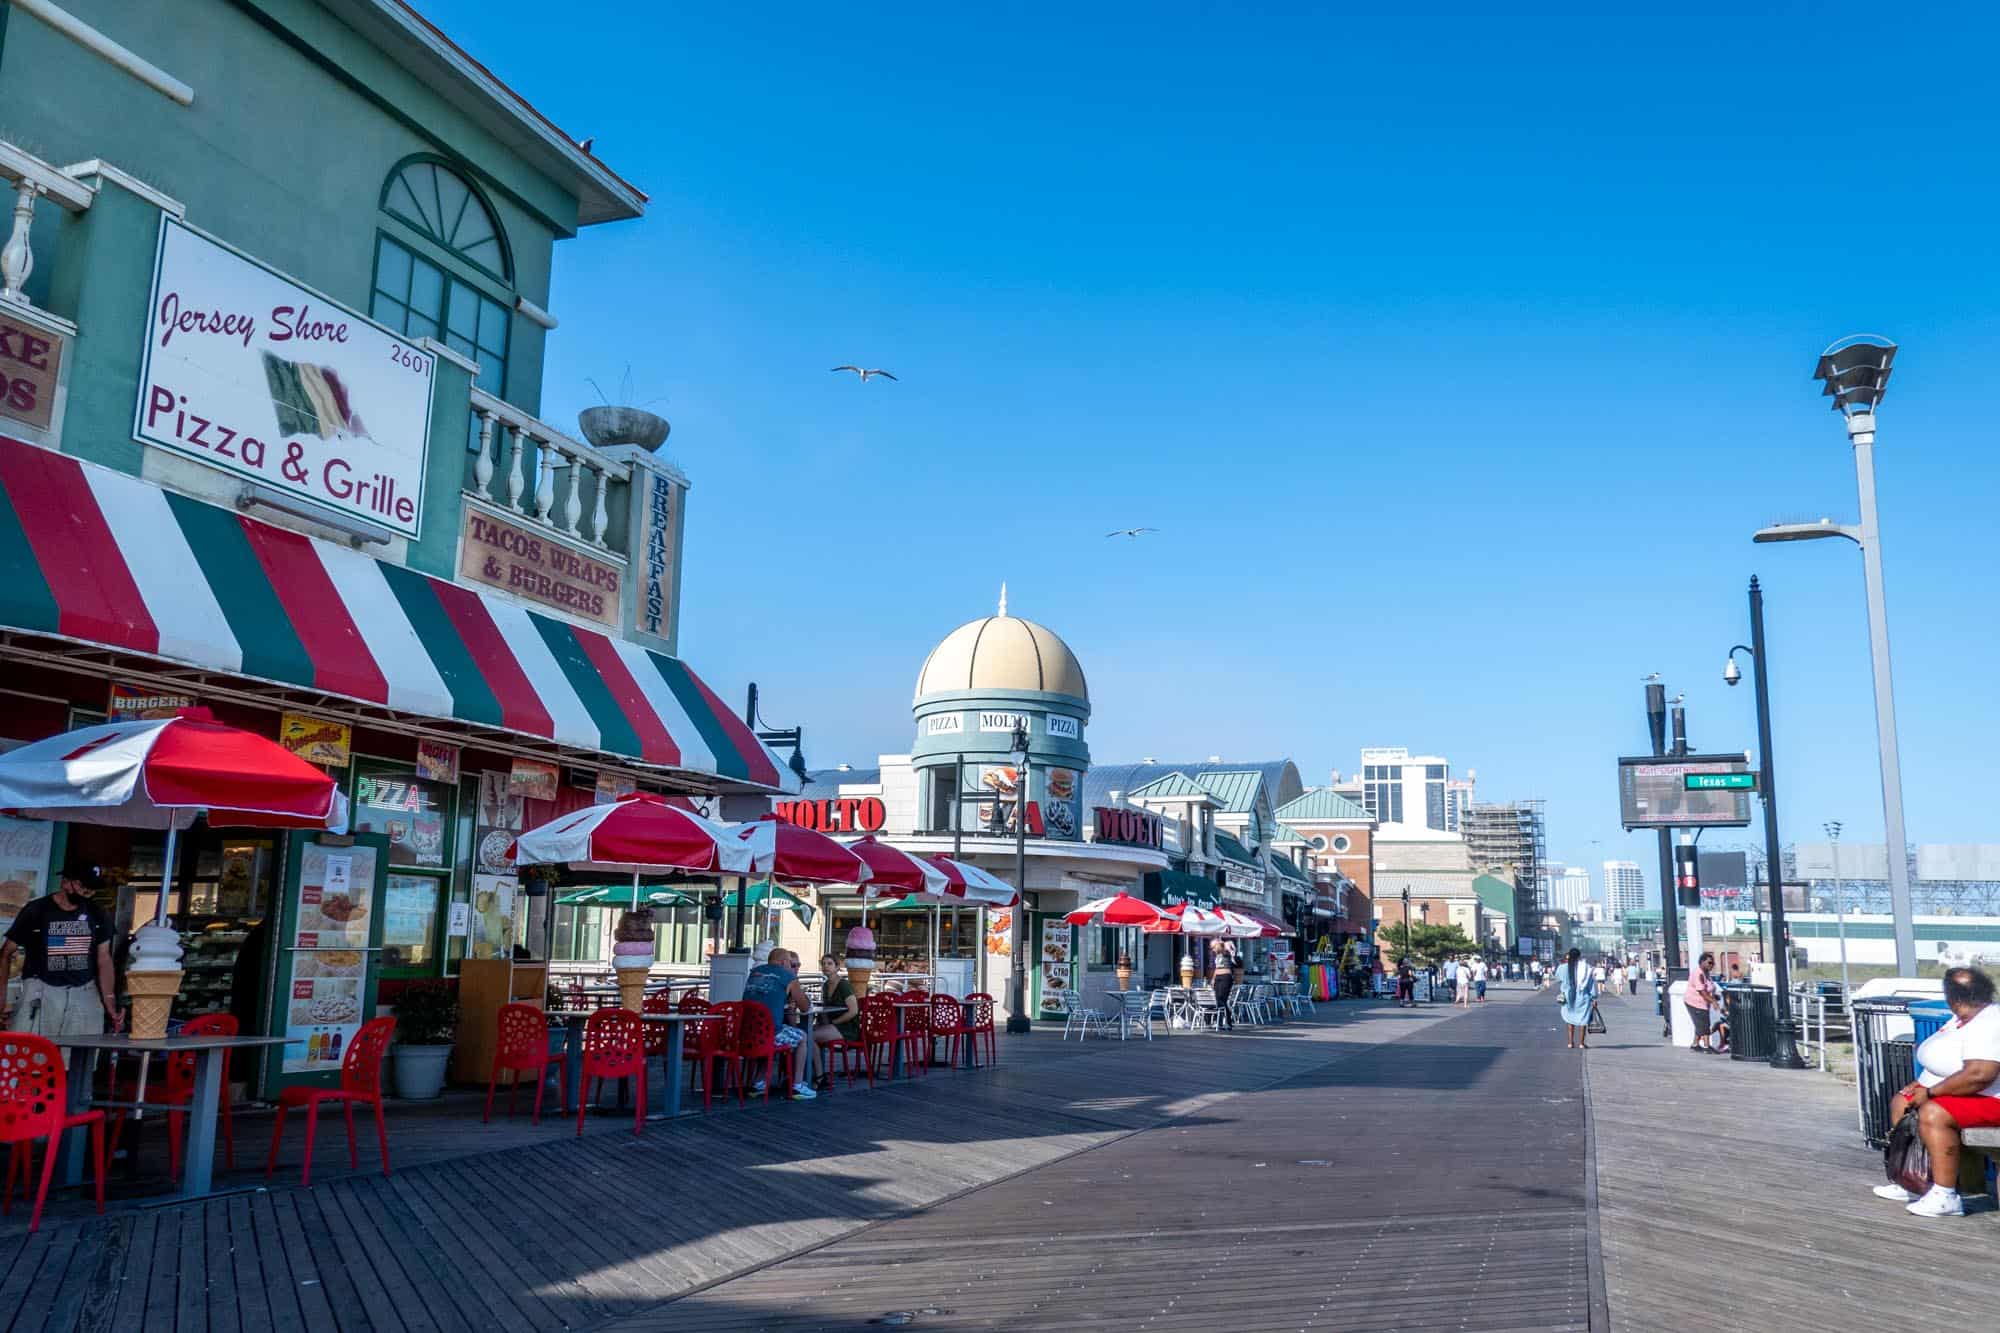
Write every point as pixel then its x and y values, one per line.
pixel 533 1227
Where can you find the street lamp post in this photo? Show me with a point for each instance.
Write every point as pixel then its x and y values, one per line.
pixel 1839 905
pixel 1856 374
pixel 1784 1047
pixel 1017 981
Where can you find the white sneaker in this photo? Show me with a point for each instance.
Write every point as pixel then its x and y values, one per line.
pixel 1939 1203
pixel 757 1088
pixel 1894 1193
pixel 803 1092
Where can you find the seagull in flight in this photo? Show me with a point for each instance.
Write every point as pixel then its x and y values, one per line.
pixel 864 374
pixel 1130 532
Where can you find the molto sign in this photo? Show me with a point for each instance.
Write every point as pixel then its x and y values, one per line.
pixel 847 814
pixel 1002 722
pixel 537 567
pixel 251 373
pixel 1137 828
pixel 30 367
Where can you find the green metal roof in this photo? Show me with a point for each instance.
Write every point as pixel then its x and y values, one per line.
pixel 1173 784
pixel 1496 894
pixel 1322 803
pixel 1237 790
pixel 1287 868
pixel 1227 845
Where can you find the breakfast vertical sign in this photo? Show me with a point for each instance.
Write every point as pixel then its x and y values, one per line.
pixel 251 373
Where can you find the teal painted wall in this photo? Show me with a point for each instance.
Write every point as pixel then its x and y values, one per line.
pixel 296 123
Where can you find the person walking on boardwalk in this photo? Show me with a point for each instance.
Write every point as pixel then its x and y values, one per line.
pixel 1224 978
pixel 1406 984
pixel 1576 988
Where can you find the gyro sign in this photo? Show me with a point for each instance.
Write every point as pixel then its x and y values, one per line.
pixel 251 373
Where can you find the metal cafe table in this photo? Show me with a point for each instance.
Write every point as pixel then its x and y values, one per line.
pixel 198 1170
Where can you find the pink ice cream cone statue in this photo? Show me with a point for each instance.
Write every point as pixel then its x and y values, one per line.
pixel 632 957
pixel 860 959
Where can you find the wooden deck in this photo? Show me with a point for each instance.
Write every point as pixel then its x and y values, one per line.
pixel 1735 1194
pixel 1434 1182
pixel 517 1227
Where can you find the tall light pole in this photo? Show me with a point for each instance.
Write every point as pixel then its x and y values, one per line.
pixel 1784 1046
pixel 1017 981
pixel 1856 374
pixel 1839 904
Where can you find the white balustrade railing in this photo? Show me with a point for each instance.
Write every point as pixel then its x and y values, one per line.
pixel 27 178
pixel 511 439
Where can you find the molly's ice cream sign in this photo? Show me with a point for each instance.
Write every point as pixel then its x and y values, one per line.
pixel 253 374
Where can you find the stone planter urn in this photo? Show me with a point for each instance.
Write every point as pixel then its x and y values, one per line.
pixel 419 1071
pixel 606 427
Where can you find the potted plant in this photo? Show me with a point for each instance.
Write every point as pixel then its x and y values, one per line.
pixel 426 1023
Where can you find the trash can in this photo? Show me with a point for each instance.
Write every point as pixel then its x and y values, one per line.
pixel 1926 1017
pixel 1753 1029
pixel 1885 1060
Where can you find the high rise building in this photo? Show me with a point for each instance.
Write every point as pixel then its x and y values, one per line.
pixel 1624 888
pixel 1506 838
pixel 1566 889
pixel 1400 788
pixel 1458 798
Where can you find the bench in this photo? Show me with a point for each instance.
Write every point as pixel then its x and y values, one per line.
pixel 1982 1146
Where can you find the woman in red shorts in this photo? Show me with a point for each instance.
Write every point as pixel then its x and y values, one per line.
pixel 1959 1089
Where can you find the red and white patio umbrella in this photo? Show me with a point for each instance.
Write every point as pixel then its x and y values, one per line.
pixel 1249 926
pixel 784 851
pixel 1187 919
pixel 1121 909
pixel 894 873
pixel 161 773
pixel 968 883
pixel 639 833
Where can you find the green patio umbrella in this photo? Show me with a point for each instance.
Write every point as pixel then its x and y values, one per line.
pixel 773 898
pixel 605 896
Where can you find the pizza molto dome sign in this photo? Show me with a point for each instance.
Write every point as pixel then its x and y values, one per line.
pixel 984 679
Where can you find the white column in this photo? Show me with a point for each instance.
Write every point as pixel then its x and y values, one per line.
pixel 517 477
pixel 17 260
pixel 598 518
pixel 572 509
pixel 482 468
pixel 545 479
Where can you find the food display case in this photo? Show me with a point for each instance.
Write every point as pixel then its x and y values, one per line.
pixel 224 887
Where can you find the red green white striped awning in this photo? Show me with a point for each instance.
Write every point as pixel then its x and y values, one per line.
pixel 100 557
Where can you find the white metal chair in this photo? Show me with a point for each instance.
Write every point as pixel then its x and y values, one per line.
pixel 1135 1009
pixel 1079 1017
pixel 1203 1011
pixel 1160 1005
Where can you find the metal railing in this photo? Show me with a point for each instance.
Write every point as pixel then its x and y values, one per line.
pixel 543 451
pixel 28 178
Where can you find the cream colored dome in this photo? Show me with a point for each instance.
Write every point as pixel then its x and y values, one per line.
pixel 1002 652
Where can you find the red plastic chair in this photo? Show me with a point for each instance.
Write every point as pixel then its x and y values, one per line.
pixel 34 1096
pixel 179 1091
pixel 712 1047
pixel 656 1033
pixel 916 1036
pixel 878 1030
pixel 979 1017
pixel 521 1046
pixel 694 1003
pixel 360 1085
pixel 614 1046
pixel 757 1039
pixel 948 1022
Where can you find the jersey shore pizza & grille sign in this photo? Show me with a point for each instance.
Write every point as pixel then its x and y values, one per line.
pixel 534 566
pixel 249 372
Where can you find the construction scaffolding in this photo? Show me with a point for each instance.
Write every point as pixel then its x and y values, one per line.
pixel 1509 839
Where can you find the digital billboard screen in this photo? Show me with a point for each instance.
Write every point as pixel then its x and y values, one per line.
pixel 1652 792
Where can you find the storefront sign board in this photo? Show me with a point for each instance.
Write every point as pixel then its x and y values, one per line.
pixel 1001 722
pixel 316 740
pixel 653 613
pixel 945 724
pixel 24 863
pixel 1057 974
pixel 1062 728
pixel 332 927
pixel 1127 827
pixel 31 363
pixel 537 567
pixel 533 780
pixel 249 372
pixel 132 703
pixel 437 762
pixel 846 814
pixel 609 787
pixel 1060 810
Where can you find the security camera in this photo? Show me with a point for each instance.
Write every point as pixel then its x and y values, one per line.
pixel 1730 675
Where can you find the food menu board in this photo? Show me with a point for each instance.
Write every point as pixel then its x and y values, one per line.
pixel 327 991
pixel 24 863
pixel 1056 965
pixel 492 925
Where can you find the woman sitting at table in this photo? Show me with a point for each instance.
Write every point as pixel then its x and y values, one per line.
pixel 845 1025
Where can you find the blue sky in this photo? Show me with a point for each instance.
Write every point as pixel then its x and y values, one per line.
pixel 1454 353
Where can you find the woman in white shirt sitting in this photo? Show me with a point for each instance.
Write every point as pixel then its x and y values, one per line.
pixel 1959 1089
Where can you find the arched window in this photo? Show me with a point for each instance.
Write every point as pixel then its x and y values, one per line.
pixel 444 206
pixel 453 301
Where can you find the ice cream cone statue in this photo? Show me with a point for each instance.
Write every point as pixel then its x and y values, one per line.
pixel 632 957
pixel 153 979
pixel 1187 969
pixel 1124 971
pixel 860 959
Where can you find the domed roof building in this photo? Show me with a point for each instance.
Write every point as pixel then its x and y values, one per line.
pixel 1005 653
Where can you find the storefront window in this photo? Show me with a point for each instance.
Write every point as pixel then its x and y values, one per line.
pixel 389 799
pixel 903 937
pixel 410 922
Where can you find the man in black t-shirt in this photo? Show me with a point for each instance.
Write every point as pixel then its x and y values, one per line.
pixel 68 984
